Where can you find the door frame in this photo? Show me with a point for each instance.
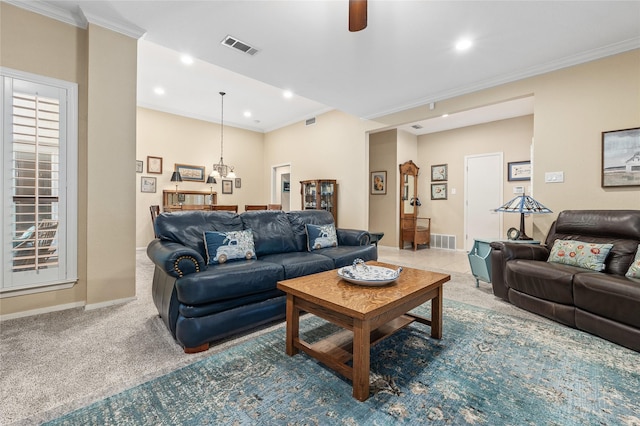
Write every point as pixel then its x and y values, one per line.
pixel 275 186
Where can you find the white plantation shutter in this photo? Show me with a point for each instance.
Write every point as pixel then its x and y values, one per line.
pixel 39 191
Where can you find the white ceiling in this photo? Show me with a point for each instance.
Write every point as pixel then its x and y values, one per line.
pixel 404 58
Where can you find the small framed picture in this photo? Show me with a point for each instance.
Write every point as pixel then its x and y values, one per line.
pixel 190 173
pixel 238 183
pixel 438 191
pixel 519 170
pixel 621 158
pixel 286 186
pixel 139 166
pixel 154 165
pixel 147 184
pixel 438 172
pixel 227 187
pixel 378 183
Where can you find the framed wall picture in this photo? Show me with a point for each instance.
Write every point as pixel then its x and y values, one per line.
pixel 438 172
pixel 147 184
pixel 378 183
pixel 621 158
pixel 519 170
pixel 139 166
pixel 154 165
pixel 227 187
pixel 190 173
pixel 286 186
pixel 438 191
pixel 238 182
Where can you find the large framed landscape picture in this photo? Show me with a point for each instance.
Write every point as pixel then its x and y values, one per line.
pixel 621 158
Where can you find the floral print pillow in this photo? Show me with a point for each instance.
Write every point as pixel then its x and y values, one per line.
pixel 634 269
pixel 580 254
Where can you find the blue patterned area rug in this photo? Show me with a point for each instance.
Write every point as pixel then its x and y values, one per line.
pixel 489 368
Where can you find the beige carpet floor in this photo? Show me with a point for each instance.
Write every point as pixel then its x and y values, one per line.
pixel 54 363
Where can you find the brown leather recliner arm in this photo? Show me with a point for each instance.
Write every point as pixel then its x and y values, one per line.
pixel 502 252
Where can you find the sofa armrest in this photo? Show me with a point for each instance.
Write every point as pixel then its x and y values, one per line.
pixel 175 259
pixel 353 237
pixel 502 252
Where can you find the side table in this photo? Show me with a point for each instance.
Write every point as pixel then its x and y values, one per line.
pixel 480 257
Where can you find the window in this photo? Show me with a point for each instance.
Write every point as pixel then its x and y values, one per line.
pixel 39 192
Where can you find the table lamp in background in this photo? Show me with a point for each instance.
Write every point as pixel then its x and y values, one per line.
pixel 522 204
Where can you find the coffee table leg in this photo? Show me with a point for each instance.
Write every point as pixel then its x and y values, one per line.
pixel 436 315
pixel 293 325
pixel 361 359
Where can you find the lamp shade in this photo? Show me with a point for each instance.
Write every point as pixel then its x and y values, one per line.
pixel 211 179
pixel 175 177
pixel 523 204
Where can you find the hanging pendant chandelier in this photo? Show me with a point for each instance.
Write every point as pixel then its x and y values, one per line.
pixel 220 169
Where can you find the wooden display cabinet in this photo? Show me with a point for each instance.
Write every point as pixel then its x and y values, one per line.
pixel 320 194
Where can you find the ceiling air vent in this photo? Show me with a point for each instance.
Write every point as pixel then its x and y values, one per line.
pixel 310 121
pixel 417 126
pixel 234 43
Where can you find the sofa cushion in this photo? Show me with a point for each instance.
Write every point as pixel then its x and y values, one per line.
pixel 549 281
pixel 271 231
pixel 609 296
pixel 634 269
pixel 321 236
pixel 227 281
pixel 187 227
pixel 300 263
pixel 231 245
pixel 345 255
pixel 618 227
pixel 578 253
pixel 299 220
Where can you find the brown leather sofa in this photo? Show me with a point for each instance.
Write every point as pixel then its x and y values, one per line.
pixel 606 304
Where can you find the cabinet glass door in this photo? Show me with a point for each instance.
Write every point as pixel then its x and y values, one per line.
pixel 326 196
pixel 310 196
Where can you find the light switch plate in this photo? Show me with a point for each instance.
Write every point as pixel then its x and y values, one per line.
pixel 554 177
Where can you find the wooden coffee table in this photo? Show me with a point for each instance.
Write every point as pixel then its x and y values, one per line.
pixel 368 315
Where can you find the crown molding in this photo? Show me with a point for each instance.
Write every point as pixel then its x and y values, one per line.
pixel 568 61
pixel 79 18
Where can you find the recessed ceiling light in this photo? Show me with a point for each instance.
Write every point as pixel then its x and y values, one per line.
pixel 463 44
pixel 186 59
pixel 247 114
pixel 287 94
pixel 445 115
pixel 158 91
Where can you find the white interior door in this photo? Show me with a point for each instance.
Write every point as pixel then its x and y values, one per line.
pixel 281 185
pixel 483 194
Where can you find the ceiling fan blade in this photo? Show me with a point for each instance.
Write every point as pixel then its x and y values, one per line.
pixel 357 15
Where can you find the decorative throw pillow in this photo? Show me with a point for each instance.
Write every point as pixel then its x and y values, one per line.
pixel 231 245
pixel 321 236
pixel 634 269
pixel 581 254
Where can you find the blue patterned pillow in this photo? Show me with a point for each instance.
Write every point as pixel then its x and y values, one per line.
pixel 231 245
pixel 580 254
pixel 634 269
pixel 321 236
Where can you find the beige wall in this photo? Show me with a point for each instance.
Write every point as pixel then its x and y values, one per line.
pixel 103 65
pixel 511 137
pixel 185 140
pixel 383 209
pixel 333 148
pixel 573 106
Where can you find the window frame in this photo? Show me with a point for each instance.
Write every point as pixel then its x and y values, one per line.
pixel 68 226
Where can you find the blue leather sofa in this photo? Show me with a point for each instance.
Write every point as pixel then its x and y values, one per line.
pixel 201 303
